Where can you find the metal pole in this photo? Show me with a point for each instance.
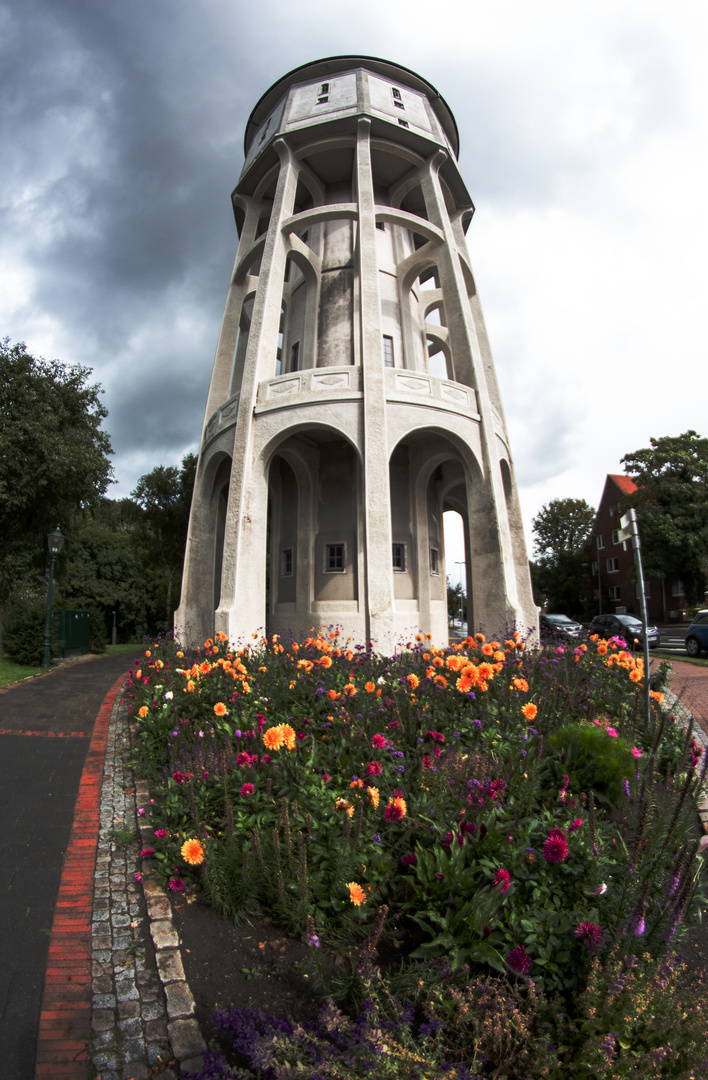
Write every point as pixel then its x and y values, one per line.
pixel 46 658
pixel 630 531
pixel 461 601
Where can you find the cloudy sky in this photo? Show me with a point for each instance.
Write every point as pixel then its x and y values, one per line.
pixel 584 144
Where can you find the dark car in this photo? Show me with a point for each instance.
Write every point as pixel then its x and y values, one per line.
pixel 627 627
pixel 697 634
pixel 558 626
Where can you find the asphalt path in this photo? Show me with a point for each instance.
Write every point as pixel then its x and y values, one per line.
pixel 46 725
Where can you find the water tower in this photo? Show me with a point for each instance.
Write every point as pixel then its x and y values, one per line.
pixel 353 398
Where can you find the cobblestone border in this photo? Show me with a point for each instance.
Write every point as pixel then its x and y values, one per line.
pixel 141 1004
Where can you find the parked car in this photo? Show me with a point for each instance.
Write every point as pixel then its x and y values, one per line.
pixel 558 626
pixel 697 634
pixel 627 627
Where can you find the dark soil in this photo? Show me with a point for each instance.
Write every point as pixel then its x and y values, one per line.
pixel 255 965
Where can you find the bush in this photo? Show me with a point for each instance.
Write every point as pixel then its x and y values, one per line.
pixel 99 637
pixel 23 636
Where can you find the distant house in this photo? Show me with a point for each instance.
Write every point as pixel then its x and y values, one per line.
pixel 612 563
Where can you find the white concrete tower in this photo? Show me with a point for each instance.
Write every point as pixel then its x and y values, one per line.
pixel 353 398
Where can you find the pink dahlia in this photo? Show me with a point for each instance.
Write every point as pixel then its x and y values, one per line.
pixel 503 880
pixel 519 960
pixel 247 789
pixel 161 833
pixel 555 847
pixel 374 768
pixel 590 934
pixel 575 824
pixel 379 741
pixel 176 884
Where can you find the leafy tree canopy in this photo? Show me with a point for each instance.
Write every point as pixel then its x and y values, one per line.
pixel 671 475
pixel 560 574
pixel 53 455
pixel 165 497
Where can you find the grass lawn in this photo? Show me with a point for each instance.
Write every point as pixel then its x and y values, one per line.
pixel 10 672
pixel 685 659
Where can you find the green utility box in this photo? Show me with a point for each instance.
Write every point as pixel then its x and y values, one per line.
pixel 71 633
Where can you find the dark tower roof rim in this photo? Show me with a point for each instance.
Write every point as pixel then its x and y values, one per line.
pixel 330 65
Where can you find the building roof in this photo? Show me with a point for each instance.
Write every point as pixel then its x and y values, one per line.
pixel 625 483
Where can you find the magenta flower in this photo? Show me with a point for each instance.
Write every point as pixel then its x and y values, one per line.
pixel 503 880
pixel 555 847
pixel 178 777
pixel 575 824
pixel 146 852
pixel 410 859
pixel 612 733
pixel 176 884
pixel 590 934
pixel 161 833
pixel 379 741
pixel 247 789
pixel 138 876
pixel 519 960
pixel 374 768
pixel 636 752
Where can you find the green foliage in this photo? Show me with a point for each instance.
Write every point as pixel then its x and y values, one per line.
pixel 560 573
pixel 97 630
pixel 672 508
pixel 592 760
pixel 164 497
pixel 23 634
pixel 53 456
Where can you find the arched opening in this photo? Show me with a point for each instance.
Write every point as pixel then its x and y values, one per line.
pixel 456 568
pixel 241 348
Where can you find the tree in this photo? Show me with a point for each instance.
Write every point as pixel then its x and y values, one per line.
pixel 53 456
pixel 104 570
pixel 671 499
pixel 456 601
pixel 165 497
pixel 560 574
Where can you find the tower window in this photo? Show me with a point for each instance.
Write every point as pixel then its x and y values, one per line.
pixel 322 100
pixel 388 351
pixel 396 94
pixel 295 356
pixel 398 560
pixel 434 561
pixel 335 558
pixel 381 225
pixel 286 562
pixel 403 123
pixel 324 88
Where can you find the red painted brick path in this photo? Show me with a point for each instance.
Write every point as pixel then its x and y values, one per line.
pixel 690 682
pixel 64 1037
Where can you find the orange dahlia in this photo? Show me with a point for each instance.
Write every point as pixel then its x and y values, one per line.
pixel 192 852
pixel 273 738
pixel 356 893
pixel 529 710
pixel 220 709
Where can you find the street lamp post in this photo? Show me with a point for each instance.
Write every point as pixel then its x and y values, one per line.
pixel 55 541
pixel 461 601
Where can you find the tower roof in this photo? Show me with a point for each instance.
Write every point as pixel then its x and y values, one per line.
pixel 330 65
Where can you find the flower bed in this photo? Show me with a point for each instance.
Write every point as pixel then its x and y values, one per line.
pixel 498 841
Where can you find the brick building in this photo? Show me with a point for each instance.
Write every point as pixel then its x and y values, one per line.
pixel 612 563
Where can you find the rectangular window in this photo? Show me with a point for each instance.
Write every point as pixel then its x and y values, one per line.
pixel 612 566
pixel 335 558
pixel 612 511
pixel 677 588
pixel 381 225
pixel 399 104
pixel 323 100
pixel 324 88
pixel 594 568
pixel 616 536
pixel 286 562
pixel 600 542
pixel 388 351
pixel 614 592
pixel 434 561
pixel 403 123
pixel 396 94
pixel 647 590
pixel 295 357
pixel 399 557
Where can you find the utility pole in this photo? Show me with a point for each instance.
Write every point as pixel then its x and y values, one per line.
pixel 630 531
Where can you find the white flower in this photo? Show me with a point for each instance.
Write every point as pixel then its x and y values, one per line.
pixel 169 695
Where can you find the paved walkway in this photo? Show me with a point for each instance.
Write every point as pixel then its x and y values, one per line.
pixel 47 746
